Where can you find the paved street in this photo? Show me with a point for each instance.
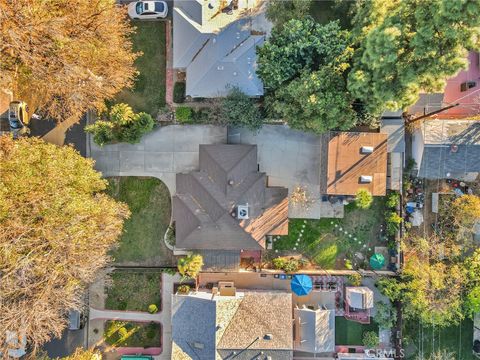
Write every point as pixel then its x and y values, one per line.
pixel 291 158
pixel 162 153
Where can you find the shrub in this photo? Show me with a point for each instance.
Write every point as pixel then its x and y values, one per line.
pixel 363 199
pixel 279 263
pixel 122 125
pixel 183 289
pixel 152 308
pixel 190 265
pixel 122 332
pixel 237 109
pixel 183 114
pixel 385 316
pixel 102 132
pixel 370 339
pixel 355 279
pixel 393 221
pixel 179 92
pixel 393 200
pixel 348 264
pixel 169 271
pixel 291 266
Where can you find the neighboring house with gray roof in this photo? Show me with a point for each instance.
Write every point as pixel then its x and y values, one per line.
pixel 247 325
pixel 445 149
pixel 216 47
pixel 226 207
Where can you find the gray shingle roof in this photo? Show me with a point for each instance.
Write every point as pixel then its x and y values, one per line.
pixel 395 129
pixel 204 207
pixel 194 321
pixel 216 62
pixel 438 159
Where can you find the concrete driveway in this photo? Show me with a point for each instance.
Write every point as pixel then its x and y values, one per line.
pixel 162 153
pixel 291 158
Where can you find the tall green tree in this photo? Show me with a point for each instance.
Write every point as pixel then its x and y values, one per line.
pixel 281 11
pixel 302 46
pixel 316 102
pixel 56 228
pixel 405 46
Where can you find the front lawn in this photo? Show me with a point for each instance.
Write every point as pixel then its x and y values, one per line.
pixel 349 332
pixel 142 240
pixel 325 242
pixel 421 340
pixel 148 93
pixel 134 291
pixel 132 334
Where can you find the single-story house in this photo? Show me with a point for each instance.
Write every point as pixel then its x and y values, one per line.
pixel 225 210
pixel 446 148
pixel 214 43
pixel 357 160
pixel 240 325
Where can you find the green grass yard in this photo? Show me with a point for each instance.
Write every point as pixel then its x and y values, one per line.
pixel 142 239
pixel 134 291
pixel 420 340
pixel 132 334
pixel 350 332
pixel 148 93
pixel 326 245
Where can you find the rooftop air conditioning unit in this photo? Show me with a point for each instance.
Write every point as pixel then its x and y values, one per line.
pixel 365 179
pixel 467 85
pixel 366 149
pixel 242 212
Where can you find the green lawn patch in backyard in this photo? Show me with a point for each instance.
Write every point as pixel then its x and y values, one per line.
pixel 142 240
pixel 148 93
pixel 132 334
pixel 327 245
pixel 349 332
pixel 133 290
pixel 457 339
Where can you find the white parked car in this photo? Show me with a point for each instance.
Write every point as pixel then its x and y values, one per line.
pixel 147 10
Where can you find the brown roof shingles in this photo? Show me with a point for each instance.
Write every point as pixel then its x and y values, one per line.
pixel 205 204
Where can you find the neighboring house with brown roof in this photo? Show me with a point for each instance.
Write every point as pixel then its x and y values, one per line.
pixel 357 160
pixel 226 207
pixel 243 326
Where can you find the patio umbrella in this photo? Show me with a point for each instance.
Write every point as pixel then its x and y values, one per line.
pixel 377 261
pixel 301 285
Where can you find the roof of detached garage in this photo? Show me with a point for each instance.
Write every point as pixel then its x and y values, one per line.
pixel 347 163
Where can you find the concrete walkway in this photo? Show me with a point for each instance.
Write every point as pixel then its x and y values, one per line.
pixel 162 153
pixel 164 317
pixel 123 315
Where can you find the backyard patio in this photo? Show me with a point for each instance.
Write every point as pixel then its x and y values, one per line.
pixel 337 243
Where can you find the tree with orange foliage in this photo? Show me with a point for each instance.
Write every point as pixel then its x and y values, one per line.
pixel 56 227
pixel 64 57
